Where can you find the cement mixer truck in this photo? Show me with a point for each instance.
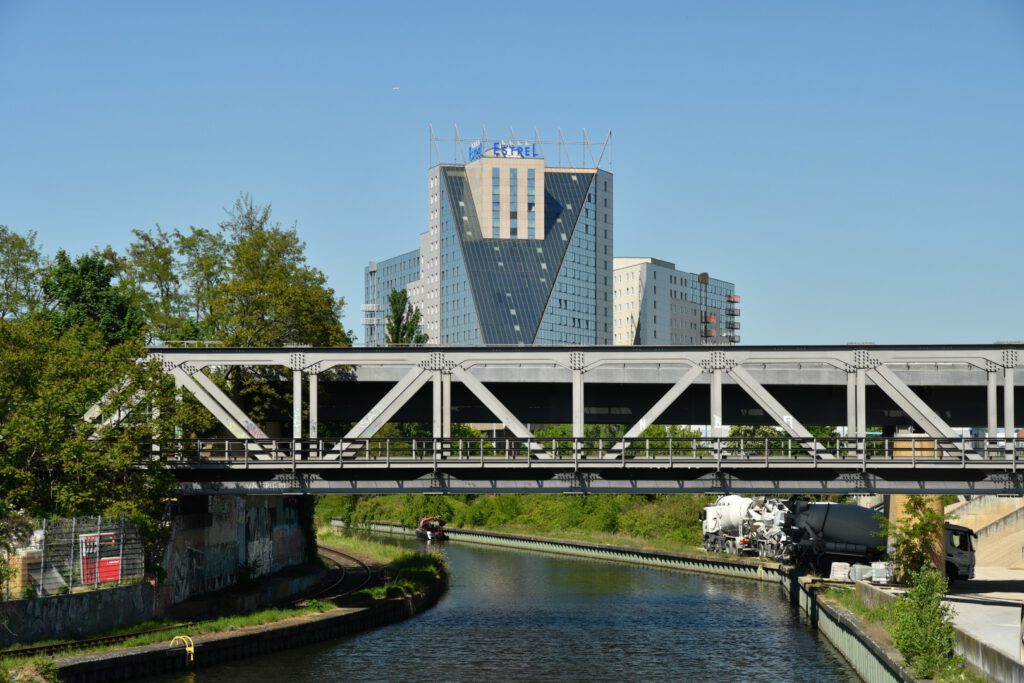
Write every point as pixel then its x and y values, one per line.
pixel 813 533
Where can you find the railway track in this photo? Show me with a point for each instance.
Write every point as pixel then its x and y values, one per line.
pixel 352 575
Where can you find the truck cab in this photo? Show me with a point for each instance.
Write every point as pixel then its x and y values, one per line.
pixel 959 544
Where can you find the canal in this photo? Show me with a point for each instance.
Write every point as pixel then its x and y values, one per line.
pixel 523 616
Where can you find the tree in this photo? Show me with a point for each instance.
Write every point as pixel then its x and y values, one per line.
pixel 271 296
pixel 52 462
pixel 203 268
pixel 922 627
pixel 82 292
pixel 914 538
pixel 403 323
pixel 151 272
pixel 20 266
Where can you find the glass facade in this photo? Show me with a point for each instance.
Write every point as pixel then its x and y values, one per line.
pixel 519 291
pixel 495 203
pixel 379 280
pixel 535 270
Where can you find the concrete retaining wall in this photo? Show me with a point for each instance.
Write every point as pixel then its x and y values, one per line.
pixel 213 649
pixel 75 615
pixel 219 539
pixel 982 658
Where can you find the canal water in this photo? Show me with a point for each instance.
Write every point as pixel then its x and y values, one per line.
pixel 520 616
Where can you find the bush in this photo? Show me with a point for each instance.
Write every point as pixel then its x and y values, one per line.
pixel 922 627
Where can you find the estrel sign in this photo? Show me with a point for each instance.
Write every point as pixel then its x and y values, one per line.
pixel 507 150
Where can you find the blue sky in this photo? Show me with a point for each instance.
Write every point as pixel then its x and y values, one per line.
pixel 856 168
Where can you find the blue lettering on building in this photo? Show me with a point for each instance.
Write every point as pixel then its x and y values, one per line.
pixel 504 150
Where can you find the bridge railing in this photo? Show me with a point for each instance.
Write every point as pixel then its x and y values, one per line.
pixel 695 451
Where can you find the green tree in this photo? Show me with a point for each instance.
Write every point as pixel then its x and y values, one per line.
pixel 203 269
pixel 52 462
pixel 83 292
pixel 922 627
pixel 151 272
pixel 403 323
pixel 914 537
pixel 20 268
pixel 271 296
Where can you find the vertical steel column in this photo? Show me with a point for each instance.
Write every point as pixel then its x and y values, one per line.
pixel 577 404
pixel 851 404
pixel 992 428
pixel 314 406
pixel 296 412
pixel 1008 415
pixel 437 404
pixel 716 402
pixel 446 409
pixel 862 427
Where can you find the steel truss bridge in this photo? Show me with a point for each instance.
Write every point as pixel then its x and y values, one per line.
pixel 936 390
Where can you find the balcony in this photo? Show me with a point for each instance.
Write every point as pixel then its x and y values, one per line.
pixel 373 322
pixel 733 298
pixel 370 308
pixel 732 324
pixel 710 332
pixel 710 318
pixel 732 338
pixel 732 310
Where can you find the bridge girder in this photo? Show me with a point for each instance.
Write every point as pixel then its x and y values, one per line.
pixel 894 370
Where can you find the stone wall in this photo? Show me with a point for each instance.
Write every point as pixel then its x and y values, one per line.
pixel 218 540
pixel 76 615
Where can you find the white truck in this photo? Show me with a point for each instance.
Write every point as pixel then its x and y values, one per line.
pixel 814 533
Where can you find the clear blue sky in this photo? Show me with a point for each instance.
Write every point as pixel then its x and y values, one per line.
pixel 856 168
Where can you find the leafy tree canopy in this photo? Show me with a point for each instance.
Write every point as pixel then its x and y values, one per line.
pixel 82 292
pixel 20 266
pixel 403 323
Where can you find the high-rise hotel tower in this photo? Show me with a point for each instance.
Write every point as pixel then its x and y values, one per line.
pixel 517 251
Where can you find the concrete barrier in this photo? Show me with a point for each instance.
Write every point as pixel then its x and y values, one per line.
pixel 148 660
pixel 985 660
pixel 76 615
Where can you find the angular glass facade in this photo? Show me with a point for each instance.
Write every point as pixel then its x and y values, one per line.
pixel 515 253
pixel 520 291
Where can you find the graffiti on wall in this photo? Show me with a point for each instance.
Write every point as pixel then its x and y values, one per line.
pixel 259 539
pixel 262 532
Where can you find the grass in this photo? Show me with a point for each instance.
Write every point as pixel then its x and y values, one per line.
pixel 884 617
pixel 412 572
pixel 373 552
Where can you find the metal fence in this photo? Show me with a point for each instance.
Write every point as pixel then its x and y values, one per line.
pixel 76 554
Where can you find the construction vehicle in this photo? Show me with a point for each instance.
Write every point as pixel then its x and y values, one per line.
pixel 811 533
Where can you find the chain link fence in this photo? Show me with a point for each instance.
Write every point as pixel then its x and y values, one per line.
pixel 76 554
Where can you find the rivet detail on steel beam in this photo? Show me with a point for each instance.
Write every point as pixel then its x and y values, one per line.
pixel 297 361
pixel 717 360
pixel 189 368
pixel 437 361
pixel 862 360
pixel 165 364
pixel 577 360
pixel 1009 358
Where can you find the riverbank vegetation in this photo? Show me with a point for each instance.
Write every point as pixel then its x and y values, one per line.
pixel 918 624
pixel 407 572
pixel 663 522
